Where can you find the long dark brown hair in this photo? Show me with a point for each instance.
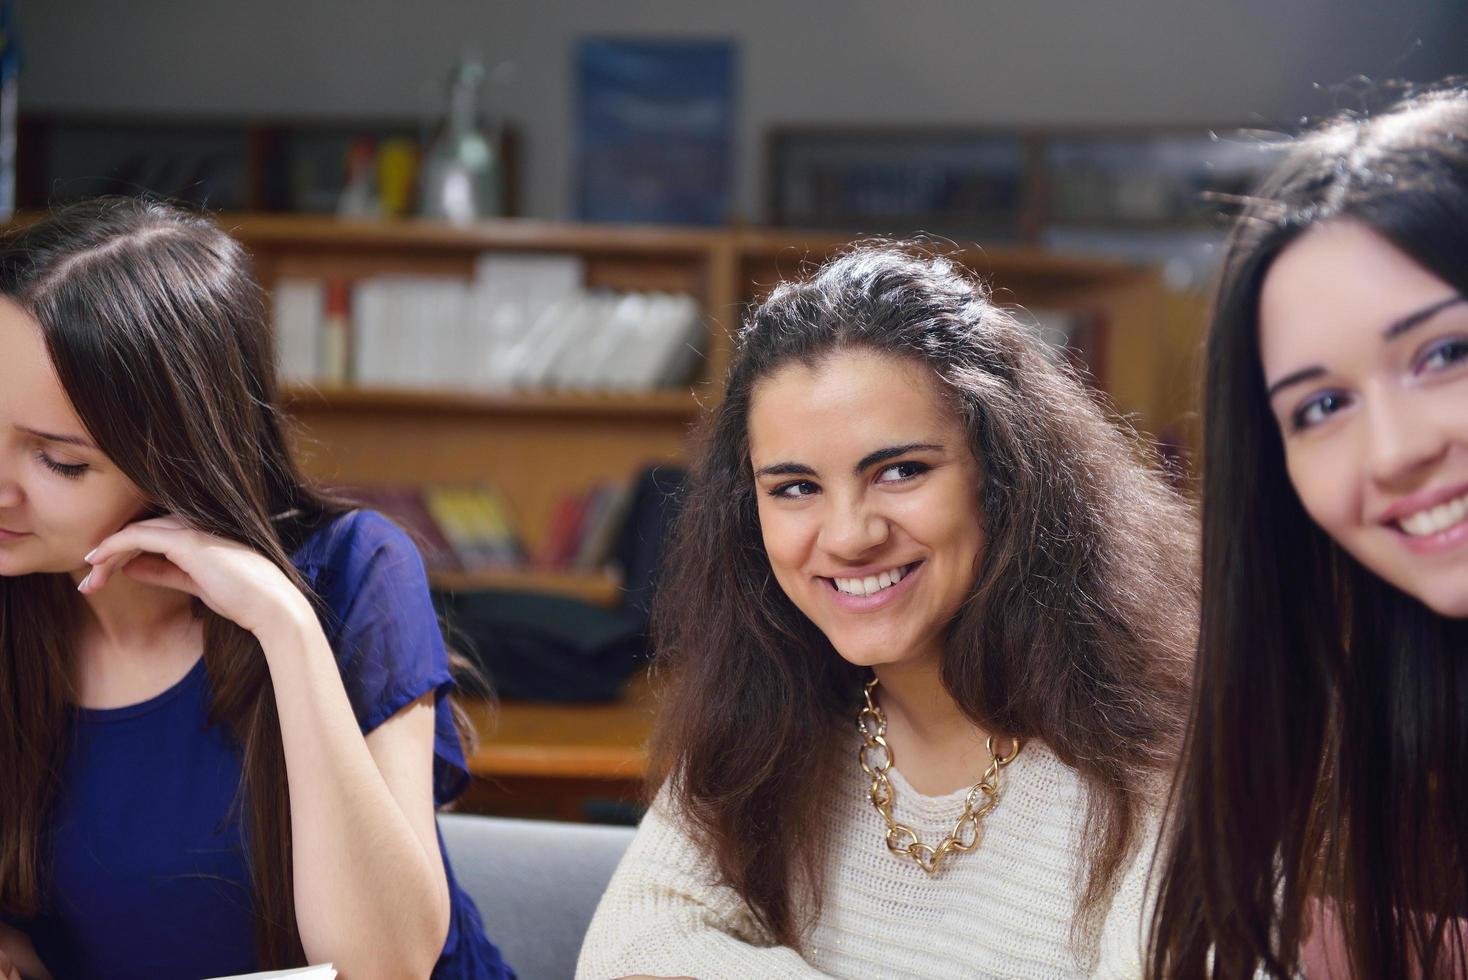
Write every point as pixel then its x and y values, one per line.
pixel 1329 733
pixel 1078 631
pixel 156 327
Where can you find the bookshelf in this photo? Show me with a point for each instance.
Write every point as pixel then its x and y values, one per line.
pixel 534 447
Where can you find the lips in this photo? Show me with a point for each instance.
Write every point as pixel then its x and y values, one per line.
pixel 879 598
pixel 872 583
pixel 1422 502
pixel 1435 520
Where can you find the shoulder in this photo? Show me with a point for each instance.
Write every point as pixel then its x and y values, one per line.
pixel 353 536
pixel 360 555
pixel 348 545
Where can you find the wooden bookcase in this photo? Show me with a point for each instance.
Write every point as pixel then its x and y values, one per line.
pixel 534 448
pixel 537 447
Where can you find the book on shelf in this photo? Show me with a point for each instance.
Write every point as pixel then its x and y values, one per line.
pixel 524 321
pixel 476 522
pixel 606 513
pixel 584 528
pixel 457 527
pixel 299 312
pixel 470 527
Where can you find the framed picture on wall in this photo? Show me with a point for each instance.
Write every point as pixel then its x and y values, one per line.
pixel 968 184
pixel 655 125
pixel 1156 195
pixel 1147 179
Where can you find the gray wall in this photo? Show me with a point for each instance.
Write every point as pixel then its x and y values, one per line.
pixel 944 61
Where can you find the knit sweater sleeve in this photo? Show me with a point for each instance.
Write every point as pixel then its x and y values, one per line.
pixel 665 914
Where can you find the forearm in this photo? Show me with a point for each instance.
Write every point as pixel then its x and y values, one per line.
pixel 370 897
pixel 664 915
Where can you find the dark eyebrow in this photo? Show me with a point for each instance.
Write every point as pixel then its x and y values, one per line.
pixel 1398 327
pixel 52 437
pixel 882 455
pixel 869 460
pixel 1305 374
pixel 784 469
pixel 1394 330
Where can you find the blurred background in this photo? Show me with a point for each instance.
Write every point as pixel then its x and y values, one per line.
pixel 505 243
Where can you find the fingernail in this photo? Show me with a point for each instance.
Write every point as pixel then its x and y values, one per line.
pixel 83 586
pixel 90 554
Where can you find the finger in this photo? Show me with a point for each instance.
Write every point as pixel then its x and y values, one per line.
pixel 142 537
pixel 154 570
pixel 102 572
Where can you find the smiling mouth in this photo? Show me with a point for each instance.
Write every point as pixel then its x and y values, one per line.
pixel 873 584
pixel 1434 520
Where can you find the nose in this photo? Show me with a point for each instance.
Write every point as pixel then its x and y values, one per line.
pixel 9 483
pixel 1401 440
pixel 852 528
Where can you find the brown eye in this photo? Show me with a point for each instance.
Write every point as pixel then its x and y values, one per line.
pixel 800 488
pixel 902 471
pixel 1318 409
pixel 1443 354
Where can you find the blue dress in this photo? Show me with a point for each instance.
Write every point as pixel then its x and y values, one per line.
pixel 148 875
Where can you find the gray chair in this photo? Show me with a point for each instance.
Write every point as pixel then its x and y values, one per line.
pixel 536 883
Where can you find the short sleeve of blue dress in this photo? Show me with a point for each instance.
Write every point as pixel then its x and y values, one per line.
pixel 379 619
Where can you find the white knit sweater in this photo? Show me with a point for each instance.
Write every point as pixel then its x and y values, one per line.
pixel 1002 910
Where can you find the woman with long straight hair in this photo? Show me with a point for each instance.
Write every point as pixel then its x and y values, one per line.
pixel 1322 816
pixel 926 630
pixel 224 722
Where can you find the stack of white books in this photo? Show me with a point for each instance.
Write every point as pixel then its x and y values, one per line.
pixel 523 322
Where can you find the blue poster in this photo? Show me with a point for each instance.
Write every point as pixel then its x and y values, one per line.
pixel 655 130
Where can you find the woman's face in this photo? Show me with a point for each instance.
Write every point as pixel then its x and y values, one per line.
pixel 868 502
pixel 1365 357
pixel 59 495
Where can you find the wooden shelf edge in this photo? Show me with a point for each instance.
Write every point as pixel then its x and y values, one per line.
pixel 546 762
pixel 598 588
pixel 1004 262
pixel 672 404
pixel 298 231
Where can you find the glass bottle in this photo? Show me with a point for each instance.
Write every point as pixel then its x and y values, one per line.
pixel 462 171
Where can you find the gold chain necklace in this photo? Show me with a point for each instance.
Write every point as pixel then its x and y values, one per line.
pixel 901 839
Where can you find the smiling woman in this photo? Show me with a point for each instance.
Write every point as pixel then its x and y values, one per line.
pixel 926 643
pixel 1322 813
pixel 1368 349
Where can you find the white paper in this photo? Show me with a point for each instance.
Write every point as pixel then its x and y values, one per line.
pixel 322 971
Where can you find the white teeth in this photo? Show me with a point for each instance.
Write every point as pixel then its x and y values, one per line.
pixel 871 583
pixel 1437 519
